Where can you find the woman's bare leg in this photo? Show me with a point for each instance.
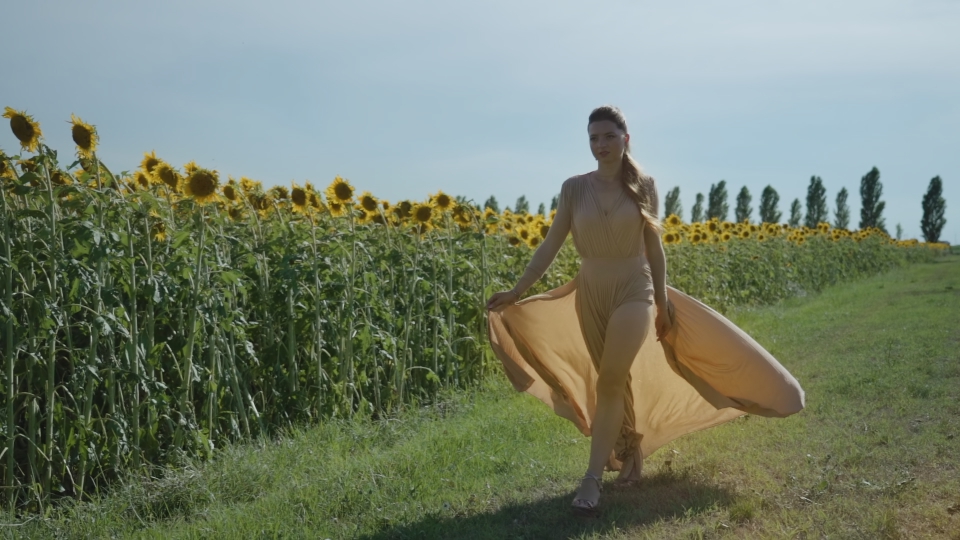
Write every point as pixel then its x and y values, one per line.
pixel 626 330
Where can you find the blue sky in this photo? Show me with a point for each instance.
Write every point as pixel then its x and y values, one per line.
pixel 481 98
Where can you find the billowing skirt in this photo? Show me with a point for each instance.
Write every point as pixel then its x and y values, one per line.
pixel 704 372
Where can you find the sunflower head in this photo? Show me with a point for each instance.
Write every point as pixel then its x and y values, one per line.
pixel 368 202
pixel 60 178
pixel 726 236
pixel 336 208
pixel 403 209
pixel 249 186
pixel 229 190
pixel 442 201
pixel 159 230
pixel 422 213
pixel 24 128
pixel 514 240
pixel 202 185
pixel 279 193
pixel 84 135
pixel 235 212
pixel 150 161
pixel 533 241
pixel 141 180
pixel 340 191
pixel 673 220
pixel 298 196
pixel 163 172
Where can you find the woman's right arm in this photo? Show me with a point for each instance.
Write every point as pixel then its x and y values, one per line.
pixel 542 258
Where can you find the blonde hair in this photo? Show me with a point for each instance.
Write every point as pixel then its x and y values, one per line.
pixel 640 185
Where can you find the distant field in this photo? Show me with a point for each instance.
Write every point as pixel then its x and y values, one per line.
pixel 876 454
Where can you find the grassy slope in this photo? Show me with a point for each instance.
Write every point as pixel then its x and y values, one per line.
pixel 875 454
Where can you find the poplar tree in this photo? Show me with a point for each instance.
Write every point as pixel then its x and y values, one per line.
pixel 743 211
pixel 841 215
pixel 796 213
pixel 934 207
pixel 492 204
pixel 672 203
pixel 554 202
pixel 717 206
pixel 697 213
pixel 816 203
pixel 542 210
pixel 871 209
pixel 769 200
pixel 522 205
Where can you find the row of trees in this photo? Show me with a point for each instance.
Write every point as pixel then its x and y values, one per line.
pixel 817 211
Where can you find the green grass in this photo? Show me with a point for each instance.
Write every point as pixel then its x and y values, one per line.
pixel 876 454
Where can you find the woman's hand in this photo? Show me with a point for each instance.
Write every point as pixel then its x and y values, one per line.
pixel 502 298
pixel 665 318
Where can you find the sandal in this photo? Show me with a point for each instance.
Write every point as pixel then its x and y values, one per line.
pixel 586 507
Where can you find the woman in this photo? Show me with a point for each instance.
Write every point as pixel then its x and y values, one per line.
pixel 584 348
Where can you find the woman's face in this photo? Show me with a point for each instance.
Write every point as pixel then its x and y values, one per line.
pixel 607 141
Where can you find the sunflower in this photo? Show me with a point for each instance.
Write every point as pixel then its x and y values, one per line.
pixel 249 186
pixel 488 214
pixel 514 240
pixel 6 171
pixel 508 225
pixel 403 209
pixel 670 238
pixel 163 172
pixel 523 233
pixel 59 178
pixel 745 234
pixel 533 241
pixel 726 225
pixel 422 213
pixel 229 190
pixel 202 185
pixel 340 191
pixel 696 237
pixel 713 226
pixel 150 162
pixel 442 201
pixel 235 212
pixel 279 193
pixel 368 202
pixel 337 209
pixel 299 198
pixel 141 180
pixel 84 135
pixel 159 231
pixel 25 128
pixel 313 199
pixel 761 237
pixel 726 236
pixel 673 220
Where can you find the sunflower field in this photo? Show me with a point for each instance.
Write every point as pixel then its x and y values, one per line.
pixel 153 315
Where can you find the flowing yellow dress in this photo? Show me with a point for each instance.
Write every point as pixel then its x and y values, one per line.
pixel 706 371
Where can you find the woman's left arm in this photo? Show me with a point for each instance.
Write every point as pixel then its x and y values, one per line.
pixel 658 272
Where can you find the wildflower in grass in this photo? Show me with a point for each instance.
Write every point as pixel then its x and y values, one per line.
pixel 442 201
pixel 340 191
pixel 24 128
pixel 84 135
pixel 298 196
pixel 150 162
pixel 368 202
pixel 202 185
pixel 229 190
pixel 163 172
